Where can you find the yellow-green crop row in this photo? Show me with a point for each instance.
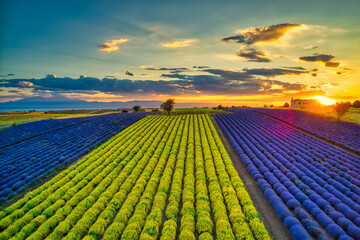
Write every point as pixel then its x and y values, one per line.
pixel 166 177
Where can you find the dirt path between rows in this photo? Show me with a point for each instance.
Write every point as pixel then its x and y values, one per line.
pixel 273 223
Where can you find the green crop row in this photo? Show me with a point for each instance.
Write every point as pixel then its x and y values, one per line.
pixel 172 209
pixel 166 177
pixel 127 224
pixel 233 186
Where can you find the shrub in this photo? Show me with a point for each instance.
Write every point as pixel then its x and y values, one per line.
pixel 205 236
pixel 335 230
pixel 290 221
pixel 293 203
pixel 223 230
pixel 345 237
pixel 187 223
pixel 299 233
pixel 323 219
pixel 204 223
pixel 335 215
pixel 353 231
pixel 169 230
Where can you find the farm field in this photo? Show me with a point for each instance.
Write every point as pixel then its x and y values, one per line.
pixel 170 177
pixel 344 134
pixel 10 119
pixel 161 178
pixel 196 111
pixel 7 119
pixel 31 150
pixel 313 186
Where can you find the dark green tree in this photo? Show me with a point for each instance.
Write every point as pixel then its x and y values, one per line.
pixel 168 106
pixel 136 108
pixel 356 104
pixel 340 108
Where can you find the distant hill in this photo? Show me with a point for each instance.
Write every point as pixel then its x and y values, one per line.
pixel 47 99
pixel 64 103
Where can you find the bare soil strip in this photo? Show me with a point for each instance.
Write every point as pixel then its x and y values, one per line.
pixel 273 223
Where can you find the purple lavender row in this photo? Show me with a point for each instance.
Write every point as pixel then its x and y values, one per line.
pixel 23 163
pixel 304 179
pixel 29 130
pixel 342 133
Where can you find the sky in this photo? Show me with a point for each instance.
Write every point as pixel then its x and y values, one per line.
pixel 220 52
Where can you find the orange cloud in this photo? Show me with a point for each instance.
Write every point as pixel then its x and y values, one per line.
pixel 261 34
pixel 179 44
pixel 146 66
pixel 112 45
pixel 26 84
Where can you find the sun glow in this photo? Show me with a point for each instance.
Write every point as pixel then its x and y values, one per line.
pixel 324 100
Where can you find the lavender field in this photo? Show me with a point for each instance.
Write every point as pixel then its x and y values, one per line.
pixel 344 134
pixel 313 185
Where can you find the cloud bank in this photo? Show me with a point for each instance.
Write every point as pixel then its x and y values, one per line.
pixel 206 81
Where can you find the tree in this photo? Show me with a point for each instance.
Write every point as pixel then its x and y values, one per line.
pixel 220 107
pixel 265 106
pixel 286 105
pixel 136 108
pixel 124 111
pixel 168 105
pixel 356 104
pixel 340 108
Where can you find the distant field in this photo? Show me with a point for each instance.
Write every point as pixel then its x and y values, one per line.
pixel 16 118
pixel 352 116
pixel 195 111
pixel 10 119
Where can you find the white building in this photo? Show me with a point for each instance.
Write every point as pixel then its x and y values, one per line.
pixel 304 104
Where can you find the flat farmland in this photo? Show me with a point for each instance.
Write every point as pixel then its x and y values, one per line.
pixel 171 177
pixel 161 178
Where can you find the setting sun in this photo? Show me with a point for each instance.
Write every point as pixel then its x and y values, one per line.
pixel 324 100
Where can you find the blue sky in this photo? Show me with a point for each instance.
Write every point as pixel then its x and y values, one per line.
pixel 64 39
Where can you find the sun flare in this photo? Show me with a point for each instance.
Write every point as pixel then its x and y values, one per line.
pixel 324 100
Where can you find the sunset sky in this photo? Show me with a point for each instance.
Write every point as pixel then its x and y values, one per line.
pixel 222 52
